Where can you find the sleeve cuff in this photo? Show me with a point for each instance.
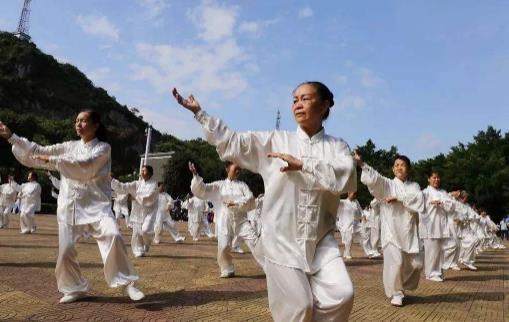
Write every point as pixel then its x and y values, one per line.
pixel 201 116
pixel 13 139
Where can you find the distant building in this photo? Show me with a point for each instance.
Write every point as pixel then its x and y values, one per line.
pixel 158 161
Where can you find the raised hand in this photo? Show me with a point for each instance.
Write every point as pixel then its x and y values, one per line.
pixel 5 132
pixel 192 168
pixel 190 103
pixel 294 164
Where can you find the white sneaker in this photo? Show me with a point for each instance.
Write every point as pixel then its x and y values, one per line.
pixel 69 298
pixel 470 267
pixel 435 279
pixel 180 240
pixel 156 241
pixel 134 293
pixel 397 300
pixel 455 268
pixel 348 257
pixel 227 274
pixel 139 254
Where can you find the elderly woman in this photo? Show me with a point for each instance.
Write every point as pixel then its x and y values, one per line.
pixel 304 171
pixel 84 204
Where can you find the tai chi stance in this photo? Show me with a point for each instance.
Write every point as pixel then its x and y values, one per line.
pixel 84 203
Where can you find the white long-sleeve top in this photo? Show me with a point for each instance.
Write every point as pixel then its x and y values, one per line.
pixel 145 197
pixel 349 214
pixel 8 193
pixel 398 219
pixel 195 208
pixel 85 190
pixel 458 219
pixel 165 203
pixel 226 191
pixel 433 222
pixel 120 199
pixel 299 206
pixel 30 196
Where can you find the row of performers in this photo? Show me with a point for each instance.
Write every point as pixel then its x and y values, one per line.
pixel 304 172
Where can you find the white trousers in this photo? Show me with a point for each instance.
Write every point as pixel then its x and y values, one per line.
pixel 205 228
pixel 347 238
pixel 401 270
pixel 433 256
pixel 468 245
pixel 369 250
pixel 294 295
pixel 27 222
pixel 4 216
pixel 143 234
pixel 170 227
pixel 194 229
pixel 451 252
pixel 246 233
pixel 118 270
pixel 375 237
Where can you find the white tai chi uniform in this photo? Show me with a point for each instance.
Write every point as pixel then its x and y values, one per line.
pixel 83 204
pixel 365 225
pixel 8 195
pixel 469 236
pixel 232 221
pixel 55 182
pixel 144 212
pixel 349 216
pixel 306 277
pixel 400 241
pixel 374 223
pixel 205 225
pixel 434 230
pixel 120 206
pixel 164 220
pixel 451 246
pixel 195 209
pixel 30 196
pixel 254 215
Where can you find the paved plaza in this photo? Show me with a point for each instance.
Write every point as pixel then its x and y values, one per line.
pixel 182 284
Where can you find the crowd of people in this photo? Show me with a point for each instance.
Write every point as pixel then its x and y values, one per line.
pixel 290 229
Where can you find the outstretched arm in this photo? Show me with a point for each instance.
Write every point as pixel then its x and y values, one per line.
pixel 249 150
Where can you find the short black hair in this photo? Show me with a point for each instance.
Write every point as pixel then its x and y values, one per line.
pixel 149 169
pixel 403 158
pixel 433 171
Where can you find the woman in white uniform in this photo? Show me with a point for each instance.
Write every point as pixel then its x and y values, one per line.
pixel 236 199
pixel 433 227
pixel 145 204
pixel 83 204
pixel 164 220
pixel 403 201
pixel 30 196
pixel 8 196
pixel 304 171
pixel 195 208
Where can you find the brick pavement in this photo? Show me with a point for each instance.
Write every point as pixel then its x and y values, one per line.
pixel 181 283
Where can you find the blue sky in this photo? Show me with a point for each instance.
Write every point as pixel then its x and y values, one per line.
pixel 419 75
